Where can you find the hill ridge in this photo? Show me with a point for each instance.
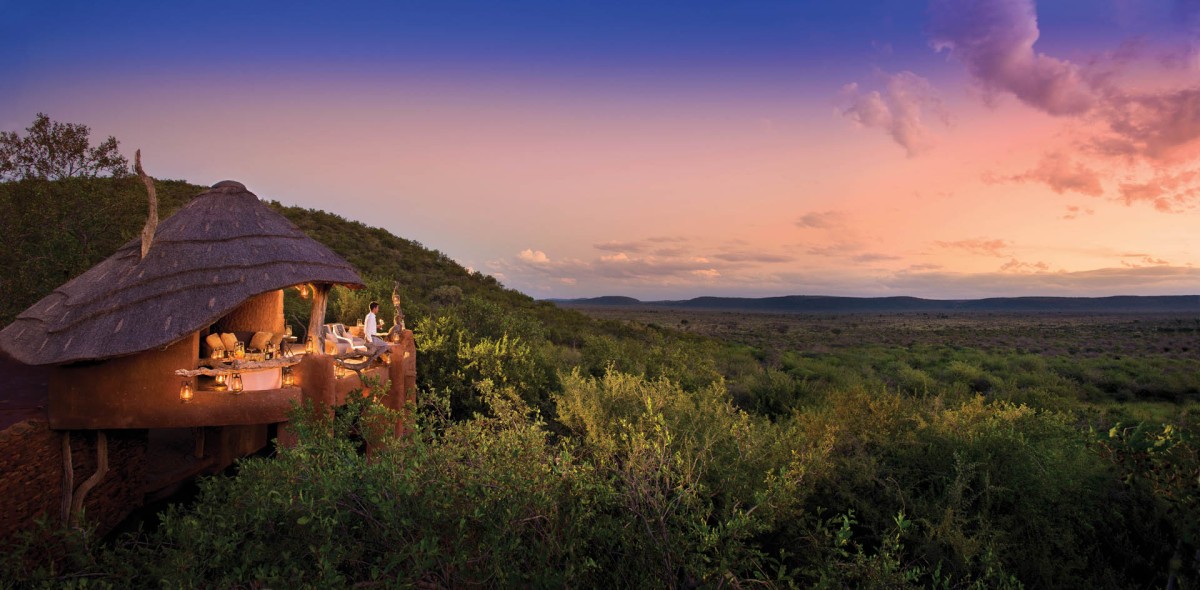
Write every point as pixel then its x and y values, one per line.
pixel 902 303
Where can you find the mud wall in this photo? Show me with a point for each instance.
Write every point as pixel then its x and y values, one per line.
pixel 31 476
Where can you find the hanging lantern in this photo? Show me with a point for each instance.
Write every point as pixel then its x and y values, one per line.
pixel 236 385
pixel 310 345
pixel 219 383
pixel 185 392
pixel 289 378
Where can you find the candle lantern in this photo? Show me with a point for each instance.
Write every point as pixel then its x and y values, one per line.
pixel 240 352
pixel 236 383
pixel 217 353
pixel 287 331
pixel 270 352
pixel 289 378
pixel 219 383
pixel 310 345
pixel 185 392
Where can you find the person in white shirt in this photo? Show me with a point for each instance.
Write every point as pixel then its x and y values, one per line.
pixel 370 325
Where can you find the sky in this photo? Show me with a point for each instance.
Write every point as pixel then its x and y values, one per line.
pixel 666 150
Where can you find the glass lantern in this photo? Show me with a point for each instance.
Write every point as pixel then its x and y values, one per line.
pixel 219 382
pixel 240 352
pixel 185 392
pixel 236 383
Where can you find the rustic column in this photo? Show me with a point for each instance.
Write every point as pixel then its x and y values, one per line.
pixel 317 318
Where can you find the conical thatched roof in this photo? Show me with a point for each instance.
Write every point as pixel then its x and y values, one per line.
pixel 219 250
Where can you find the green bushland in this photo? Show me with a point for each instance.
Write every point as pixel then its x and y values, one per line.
pixel 550 449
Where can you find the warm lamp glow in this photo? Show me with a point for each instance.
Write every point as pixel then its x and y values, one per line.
pixel 303 289
pixel 240 352
pixel 289 378
pixel 310 345
pixel 185 392
pixel 287 331
pixel 236 386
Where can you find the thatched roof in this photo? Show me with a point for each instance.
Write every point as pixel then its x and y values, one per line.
pixel 219 250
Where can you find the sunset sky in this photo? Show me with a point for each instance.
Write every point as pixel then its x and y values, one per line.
pixel 661 150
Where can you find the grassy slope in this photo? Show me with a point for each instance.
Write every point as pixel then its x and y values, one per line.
pixel 57 230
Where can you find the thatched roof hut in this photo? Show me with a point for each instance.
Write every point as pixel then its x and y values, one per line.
pixel 218 251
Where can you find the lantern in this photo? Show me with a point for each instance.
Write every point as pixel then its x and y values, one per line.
pixel 310 345
pixel 217 353
pixel 185 392
pixel 236 385
pixel 240 352
pixel 270 352
pixel 395 334
pixel 287 331
pixel 219 385
pixel 289 378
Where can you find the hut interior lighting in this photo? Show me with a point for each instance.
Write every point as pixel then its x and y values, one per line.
pixel 236 385
pixel 185 392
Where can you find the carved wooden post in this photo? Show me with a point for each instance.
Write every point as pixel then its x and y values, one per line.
pixel 317 319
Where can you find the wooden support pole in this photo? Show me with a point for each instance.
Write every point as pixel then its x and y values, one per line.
pixel 101 471
pixel 317 318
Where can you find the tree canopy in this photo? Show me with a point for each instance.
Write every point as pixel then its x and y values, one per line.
pixel 51 150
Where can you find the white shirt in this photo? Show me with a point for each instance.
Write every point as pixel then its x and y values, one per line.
pixel 369 326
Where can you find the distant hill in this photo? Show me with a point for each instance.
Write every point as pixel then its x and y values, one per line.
pixel 826 304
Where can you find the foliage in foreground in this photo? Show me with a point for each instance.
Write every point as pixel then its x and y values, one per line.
pixel 652 485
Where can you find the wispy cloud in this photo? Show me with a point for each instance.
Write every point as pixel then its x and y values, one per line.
pixel 1075 212
pixel 899 108
pixel 821 220
pixel 1018 266
pixel 1057 171
pixel 981 246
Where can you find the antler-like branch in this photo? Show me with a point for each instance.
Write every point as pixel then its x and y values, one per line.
pixel 152 217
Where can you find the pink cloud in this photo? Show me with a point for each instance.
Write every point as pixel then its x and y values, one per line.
pixel 1014 265
pixel 1057 171
pixel 898 109
pixel 982 246
pixel 994 39
pixel 820 220
pixel 1075 212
